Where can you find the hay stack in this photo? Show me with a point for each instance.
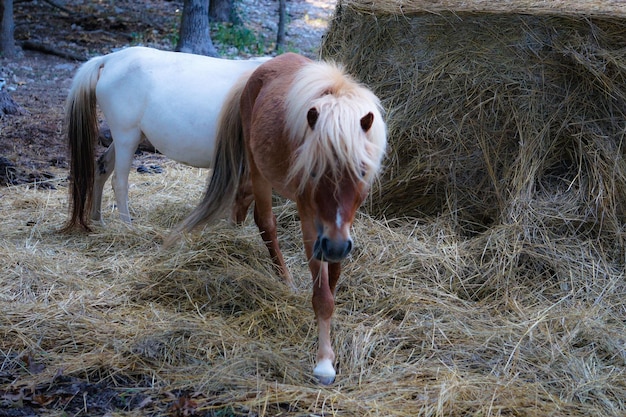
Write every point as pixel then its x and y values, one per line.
pixel 494 108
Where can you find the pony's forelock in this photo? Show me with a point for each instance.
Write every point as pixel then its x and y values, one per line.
pixel 337 144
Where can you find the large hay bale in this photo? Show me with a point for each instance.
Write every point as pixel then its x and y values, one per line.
pixel 494 107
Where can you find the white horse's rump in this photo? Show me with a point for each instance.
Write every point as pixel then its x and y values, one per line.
pixel 171 98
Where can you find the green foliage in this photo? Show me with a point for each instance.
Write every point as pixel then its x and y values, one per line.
pixel 245 40
pixel 174 33
pixel 281 49
pixel 137 38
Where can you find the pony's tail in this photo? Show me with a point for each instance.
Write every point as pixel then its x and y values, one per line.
pixel 81 125
pixel 229 165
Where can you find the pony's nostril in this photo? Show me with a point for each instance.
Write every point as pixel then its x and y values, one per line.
pixel 348 247
pixel 325 245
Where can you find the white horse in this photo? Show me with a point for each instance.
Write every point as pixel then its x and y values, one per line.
pixel 171 98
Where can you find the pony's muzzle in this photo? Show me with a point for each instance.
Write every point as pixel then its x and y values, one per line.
pixel 331 250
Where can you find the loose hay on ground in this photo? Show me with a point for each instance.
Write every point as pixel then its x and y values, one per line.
pixel 428 322
pixel 519 311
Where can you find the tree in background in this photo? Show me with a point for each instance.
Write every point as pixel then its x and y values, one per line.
pixel 194 36
pixel 282 15
pixel 7 50
pixel 7 29
pixel 222 11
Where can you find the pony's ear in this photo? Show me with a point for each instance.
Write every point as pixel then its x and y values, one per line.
pixel 366 121
pixel 312 116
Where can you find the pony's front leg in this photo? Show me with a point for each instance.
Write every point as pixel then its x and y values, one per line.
pixel 325 278
pixel 104 168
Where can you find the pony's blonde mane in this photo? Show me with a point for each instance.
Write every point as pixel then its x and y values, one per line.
pixel 337 143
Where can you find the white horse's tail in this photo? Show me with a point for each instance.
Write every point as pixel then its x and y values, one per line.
pixel 81 125
pixel 229 165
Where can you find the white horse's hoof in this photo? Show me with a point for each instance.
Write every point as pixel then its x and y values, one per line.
pixel 324 372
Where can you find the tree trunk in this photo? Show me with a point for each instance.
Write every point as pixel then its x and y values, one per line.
pixel 7 30
pixel 282 16
pixel 222 11
pixel 194 29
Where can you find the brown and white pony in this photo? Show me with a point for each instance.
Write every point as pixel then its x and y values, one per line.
pixel 311 133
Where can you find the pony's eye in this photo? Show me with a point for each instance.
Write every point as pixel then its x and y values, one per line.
pixel 313 174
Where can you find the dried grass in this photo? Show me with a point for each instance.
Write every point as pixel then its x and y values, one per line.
pixel 587 8
pixel 507 299
pixel 428 322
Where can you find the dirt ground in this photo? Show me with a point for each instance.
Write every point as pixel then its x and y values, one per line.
pixel 32 147
pixel 31 144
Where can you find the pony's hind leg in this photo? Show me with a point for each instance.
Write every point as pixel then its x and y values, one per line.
pixel 126 142
pixel 243 199
pixel 104 169
pixel 266 222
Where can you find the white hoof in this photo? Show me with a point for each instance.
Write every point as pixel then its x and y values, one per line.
pixel 324 372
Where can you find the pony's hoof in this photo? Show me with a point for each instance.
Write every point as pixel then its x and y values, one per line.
pixel 325 379
pixel 324 372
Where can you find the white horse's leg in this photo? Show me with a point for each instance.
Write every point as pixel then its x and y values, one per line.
pixel 124 153
pixel 104 168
